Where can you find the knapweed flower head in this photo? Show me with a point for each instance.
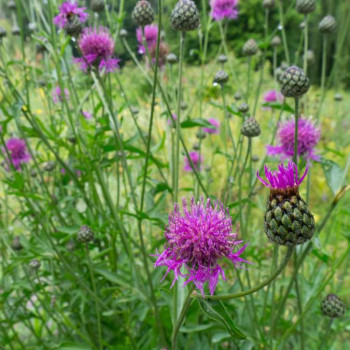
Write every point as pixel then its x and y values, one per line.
pixel 97 48
pixel 308 138
pixel 283 178
pixel 87 115
pixel 288 220
pixel 57 96
pixel 151 34
pixel 69 10
pixel 273 96
pixel 216 125
pixel 221 9
pixel 196 159
pixel 17 150
pixel 197 239
pixel 173 121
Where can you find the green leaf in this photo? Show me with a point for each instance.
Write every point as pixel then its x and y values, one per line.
pixel 119 280
pixel 334 174
pixel 191 123
pixel 196 328
pixel 68 229
pixel 74 347
pixel 280 106
pixel 217 312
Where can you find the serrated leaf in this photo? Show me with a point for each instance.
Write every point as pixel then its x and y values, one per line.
pixel 217 312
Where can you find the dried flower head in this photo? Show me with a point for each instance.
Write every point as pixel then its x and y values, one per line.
pixel 198 239
pixel 308 138
pixel 97 48
pixel 221 9
pixel 69 10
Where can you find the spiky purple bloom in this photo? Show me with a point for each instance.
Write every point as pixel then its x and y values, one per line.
pixel 68 10
pixel 216 124
pixel 171 122
pixel 57 95
pixel 308 137
pixel 97 48
pixel 273 96
pixel 284 177
pixel 221 9
pixel 198 239
pixel 151 34
pixel 197 160
pixel 17 150
pixel 86 115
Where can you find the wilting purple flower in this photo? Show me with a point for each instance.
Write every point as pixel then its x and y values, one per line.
pixel 273 96
pixel 68 10
pixel 151 34
pixel 97 48
pixel 86 115
pixel 57 95
pixel 308 137
pixel 17 150
pixel 216 124
pixel 283 178
pixel 221 9
pixel 196 160
pixel 198 239
pixel 174 118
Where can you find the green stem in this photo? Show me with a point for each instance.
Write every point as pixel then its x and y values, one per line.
pixel 259 286
pixel 97 307
pixel 153 103
pixel 323 343
pixel 284 36
pixel 181 318
pixel 295 157
pixel 249 62
pixel 240 185
pixel 323 74
pixel 306 47
pixel 224 44
pixel 306 42
pixel 177 141
pixel 299 303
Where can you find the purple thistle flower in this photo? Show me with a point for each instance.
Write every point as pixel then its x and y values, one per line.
pixel 86 115
pixel 221 9
pixel 197 240
pixel 68 10
pixel 197 160
pixel 308 137
pixel 17 150
pixel 151 34
pixel 216 124
pixel 285 177
pixel 57 95
pixel 171 122
pixel 97 48
pixel 273 96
